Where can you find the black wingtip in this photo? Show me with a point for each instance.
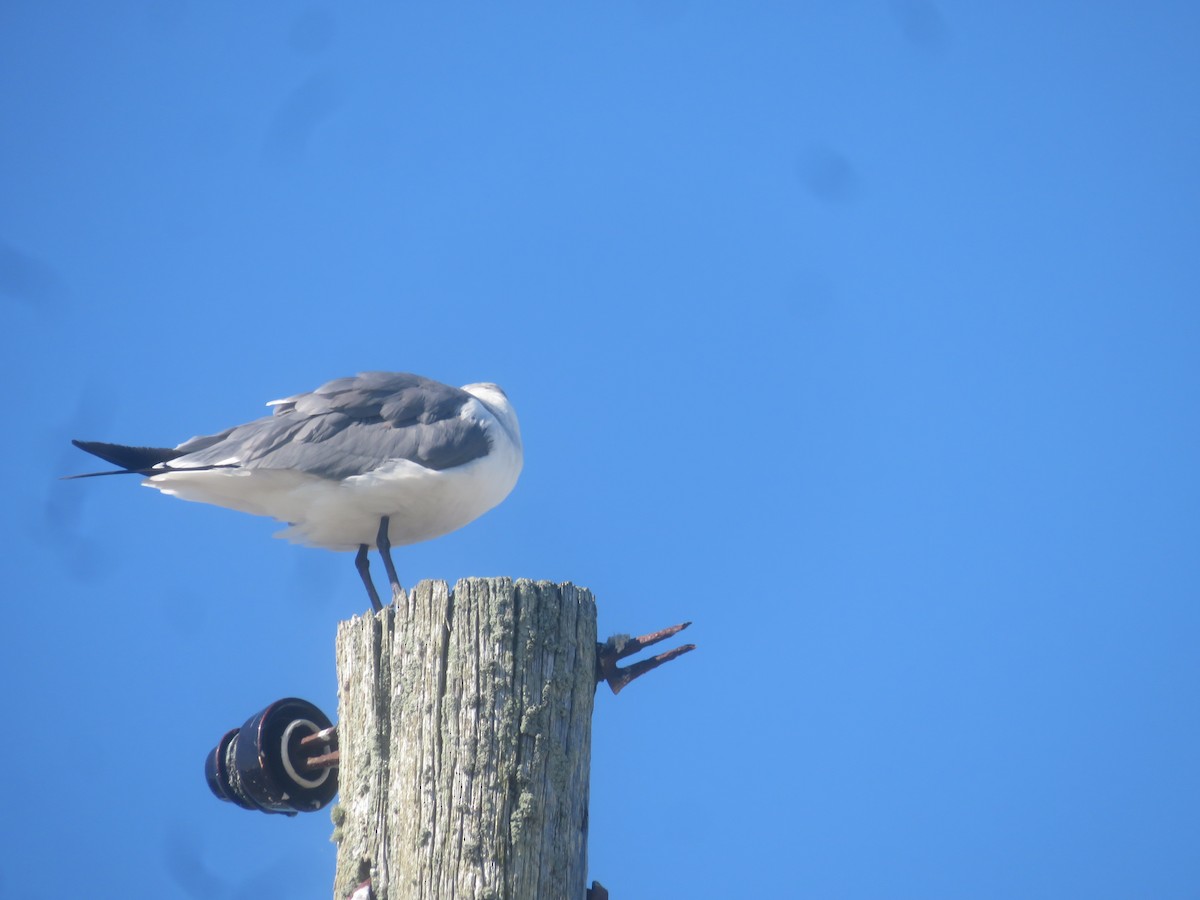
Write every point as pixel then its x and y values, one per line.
pixel 130 459
pixel 137 460
pixel 98 474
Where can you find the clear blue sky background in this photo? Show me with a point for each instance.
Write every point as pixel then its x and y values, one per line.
pixel 863 334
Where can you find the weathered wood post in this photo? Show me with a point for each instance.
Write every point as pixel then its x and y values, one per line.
pixel 465 736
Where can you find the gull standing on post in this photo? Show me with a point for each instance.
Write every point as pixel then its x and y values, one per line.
pixel 380 459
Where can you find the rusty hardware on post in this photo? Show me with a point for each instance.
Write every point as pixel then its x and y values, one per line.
pixel 331 758
pixel 620 646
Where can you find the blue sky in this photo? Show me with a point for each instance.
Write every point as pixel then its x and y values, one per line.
pixel 862 334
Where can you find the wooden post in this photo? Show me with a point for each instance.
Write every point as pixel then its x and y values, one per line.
pixel 465 735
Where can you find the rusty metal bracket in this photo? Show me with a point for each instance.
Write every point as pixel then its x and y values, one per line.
pixel 620 646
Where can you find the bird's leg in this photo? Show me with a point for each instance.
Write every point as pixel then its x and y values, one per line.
pixel 384 544
pixel 364 569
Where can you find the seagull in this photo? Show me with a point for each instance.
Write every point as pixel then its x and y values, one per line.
pixel 377 460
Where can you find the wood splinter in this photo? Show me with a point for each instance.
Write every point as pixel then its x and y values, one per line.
pixel 620 646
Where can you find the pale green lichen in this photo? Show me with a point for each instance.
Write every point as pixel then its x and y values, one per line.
pixel 337 815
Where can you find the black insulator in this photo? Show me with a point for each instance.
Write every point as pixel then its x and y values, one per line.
pixel 263 766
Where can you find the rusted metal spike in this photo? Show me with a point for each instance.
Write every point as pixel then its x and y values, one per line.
pixel 621 645
pixel 619 677
pixel 627 646
pixel 328 760
pixel 324 736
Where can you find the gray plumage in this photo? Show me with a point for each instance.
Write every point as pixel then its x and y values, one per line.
pixel 350 426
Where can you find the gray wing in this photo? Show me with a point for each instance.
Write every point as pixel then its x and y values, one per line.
pixel 351 426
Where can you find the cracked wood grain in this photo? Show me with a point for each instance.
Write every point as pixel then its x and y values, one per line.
pixel 465 735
